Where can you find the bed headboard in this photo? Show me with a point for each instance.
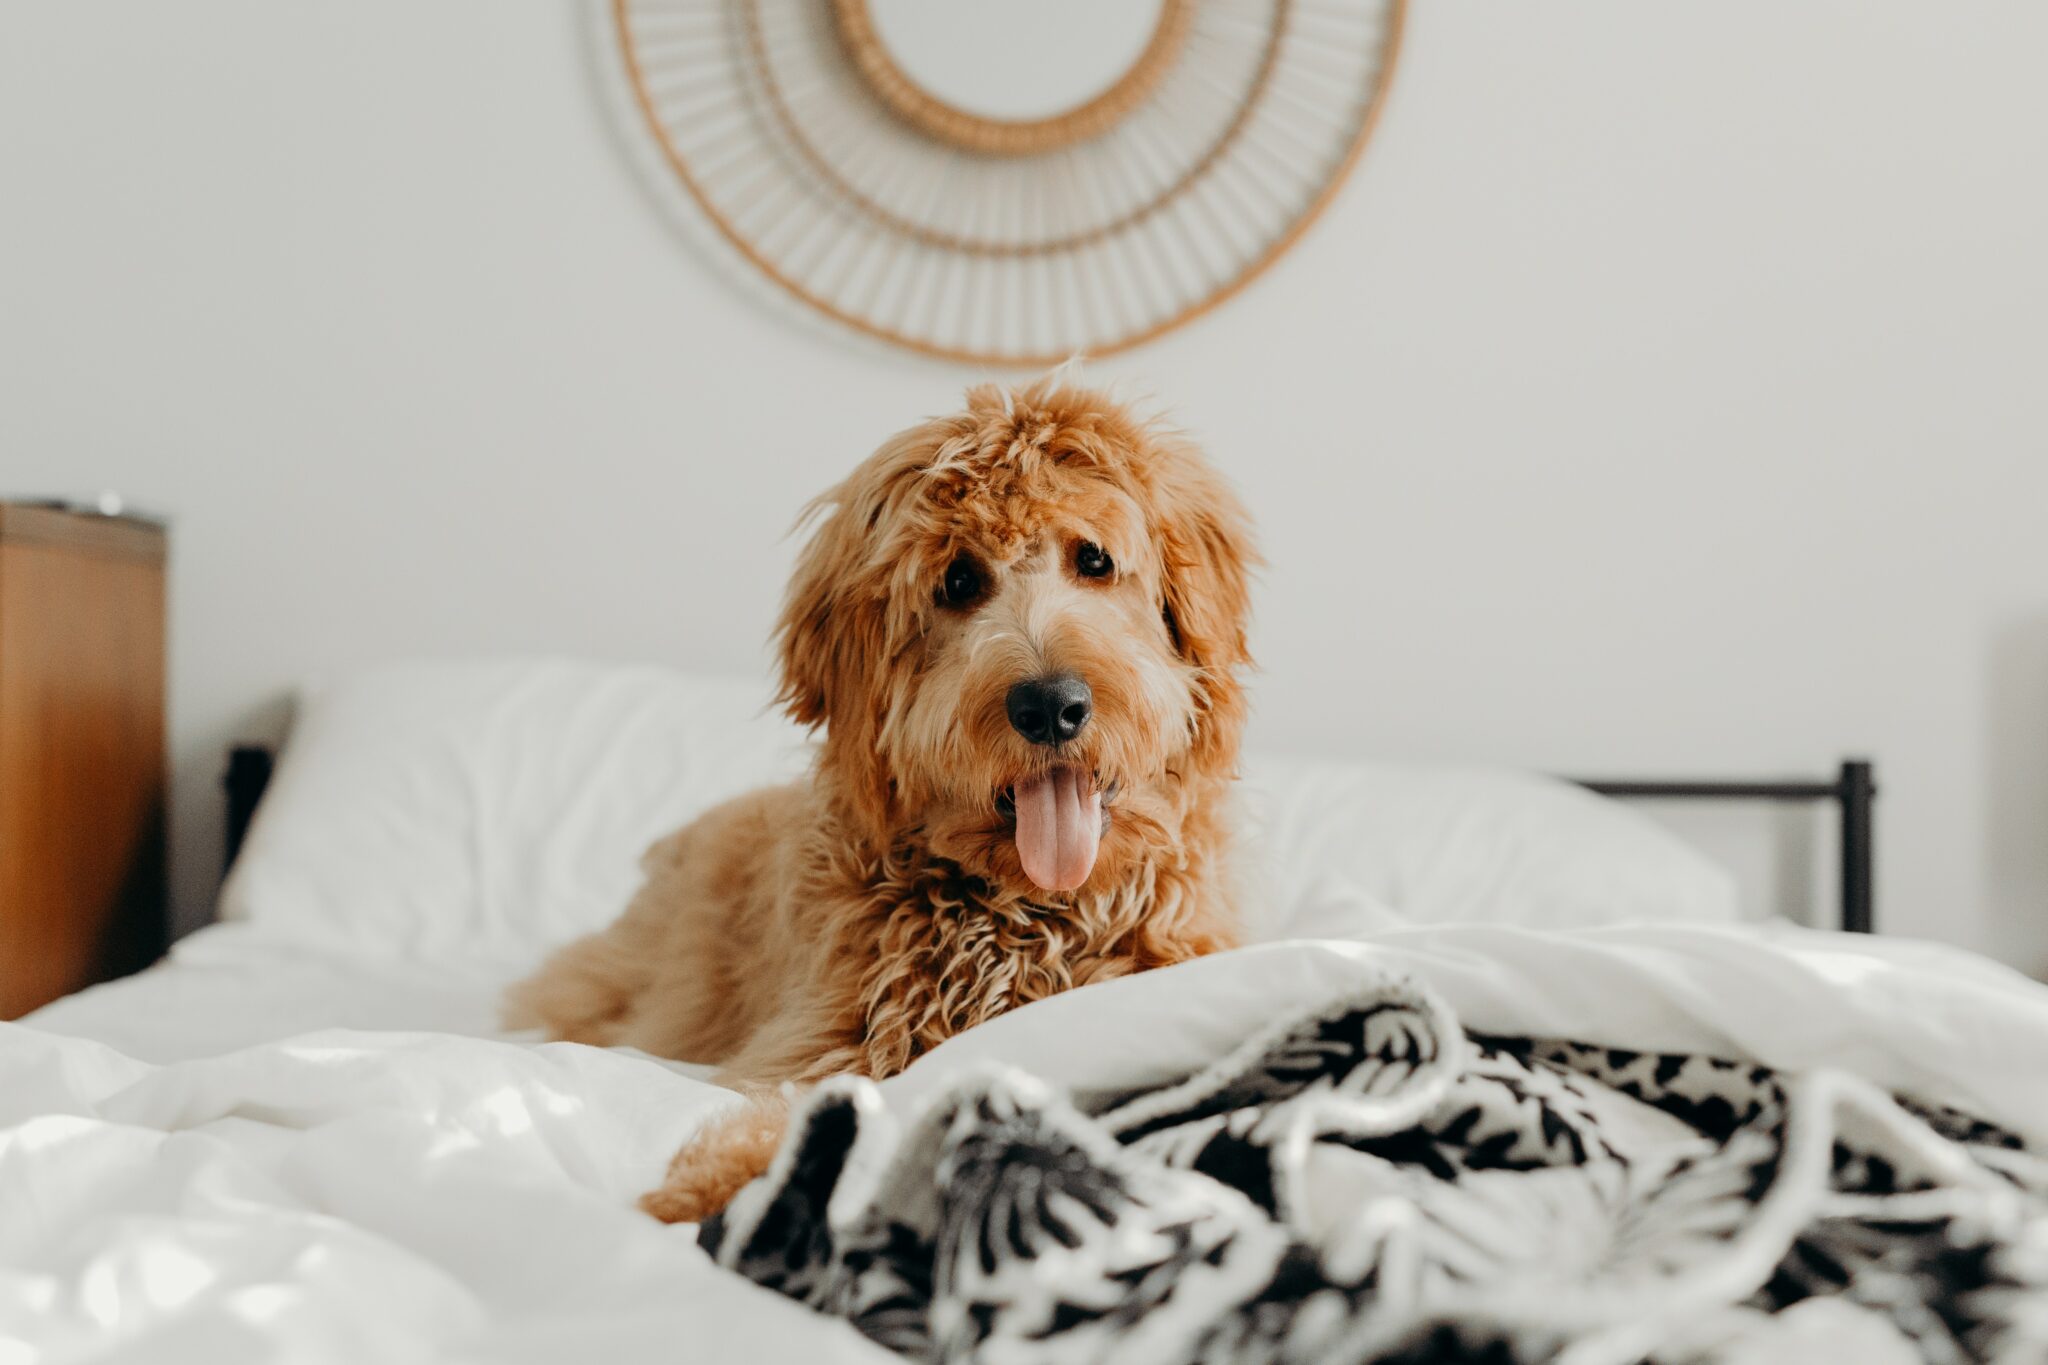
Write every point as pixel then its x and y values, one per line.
pixel 1853 790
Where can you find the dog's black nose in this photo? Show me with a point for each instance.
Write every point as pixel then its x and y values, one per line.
pixel 1050 710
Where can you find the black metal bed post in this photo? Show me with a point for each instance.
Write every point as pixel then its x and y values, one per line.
pixel 248 773
pixel 1854 790
pixel 1858 794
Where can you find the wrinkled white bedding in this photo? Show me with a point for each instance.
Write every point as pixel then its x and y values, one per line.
pixel 230 986
pixel 349 1195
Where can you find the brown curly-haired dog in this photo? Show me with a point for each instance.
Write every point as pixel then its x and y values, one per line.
pixel 1021 628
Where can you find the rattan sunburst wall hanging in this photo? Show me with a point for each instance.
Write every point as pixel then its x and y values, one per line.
pixel 1010 182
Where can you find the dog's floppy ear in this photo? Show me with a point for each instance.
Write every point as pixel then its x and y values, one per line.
pixel 833 640
pixel 815 635
pixel 1206 558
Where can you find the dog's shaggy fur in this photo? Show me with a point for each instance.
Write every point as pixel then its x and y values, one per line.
pixel 853 921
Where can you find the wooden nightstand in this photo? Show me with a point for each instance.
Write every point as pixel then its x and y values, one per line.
pixel 81 751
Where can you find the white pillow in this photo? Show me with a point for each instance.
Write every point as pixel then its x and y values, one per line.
pixel 489 810
pixel 1439 844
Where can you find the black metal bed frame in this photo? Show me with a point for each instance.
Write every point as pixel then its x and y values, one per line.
pixel 248 774
pixel 1854 790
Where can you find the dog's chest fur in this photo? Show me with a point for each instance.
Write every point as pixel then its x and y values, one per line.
pixel 951 953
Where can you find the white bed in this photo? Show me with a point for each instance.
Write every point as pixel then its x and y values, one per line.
pixel 230 986
pixel 303 1136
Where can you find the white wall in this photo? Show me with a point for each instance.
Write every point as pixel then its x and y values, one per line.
pixel 1666 391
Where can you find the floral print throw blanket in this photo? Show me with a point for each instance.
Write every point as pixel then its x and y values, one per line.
pixel 1369 1181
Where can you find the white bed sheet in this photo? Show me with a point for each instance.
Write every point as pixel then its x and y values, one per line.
pixel 421 1195
pixel 230 986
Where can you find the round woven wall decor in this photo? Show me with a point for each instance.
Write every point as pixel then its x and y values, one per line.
pixel 1203 138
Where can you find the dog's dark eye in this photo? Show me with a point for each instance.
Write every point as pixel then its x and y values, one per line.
pixel 963 583
pixel 1091 562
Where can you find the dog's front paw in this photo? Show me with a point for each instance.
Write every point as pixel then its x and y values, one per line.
pixel 673 1204
pixel 719 1162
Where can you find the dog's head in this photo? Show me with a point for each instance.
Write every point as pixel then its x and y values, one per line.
pixel 1021 627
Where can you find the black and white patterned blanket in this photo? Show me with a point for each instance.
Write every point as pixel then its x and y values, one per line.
pixel 1370 1183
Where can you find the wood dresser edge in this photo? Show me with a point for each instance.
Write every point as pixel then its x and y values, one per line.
pixel 25 524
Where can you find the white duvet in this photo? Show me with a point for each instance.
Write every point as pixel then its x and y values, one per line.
pixel 351 1195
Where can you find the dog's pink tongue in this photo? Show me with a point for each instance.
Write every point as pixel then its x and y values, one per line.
pixel 1059 821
